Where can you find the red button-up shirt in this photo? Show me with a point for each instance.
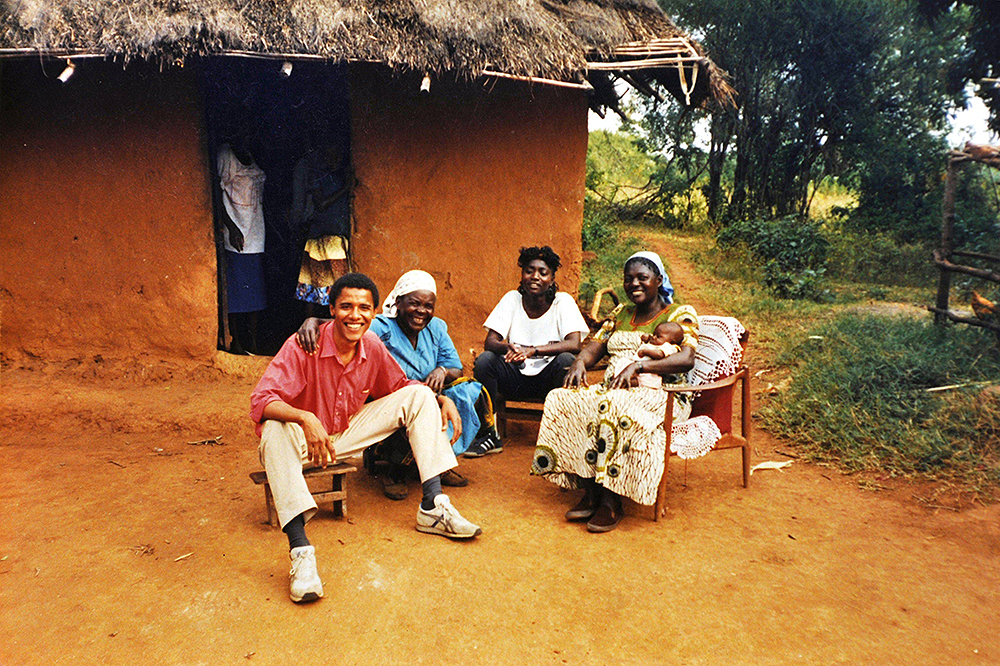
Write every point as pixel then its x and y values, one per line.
pixel 322 385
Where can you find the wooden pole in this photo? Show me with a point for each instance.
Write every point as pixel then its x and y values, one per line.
pixel 977 255
pixel 947 226
pixel 971 321
pixel 948 266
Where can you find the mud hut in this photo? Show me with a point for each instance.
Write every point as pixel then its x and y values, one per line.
pixel 466 122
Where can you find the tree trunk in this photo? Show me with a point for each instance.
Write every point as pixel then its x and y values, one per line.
pixel 721 132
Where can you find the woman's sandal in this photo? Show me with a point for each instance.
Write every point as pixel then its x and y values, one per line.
pixel 606 518
pixel 394 489
pixel 584 509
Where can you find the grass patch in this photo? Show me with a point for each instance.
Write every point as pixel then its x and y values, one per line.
pixel 858 399
pixel 733 284
pixel 879 259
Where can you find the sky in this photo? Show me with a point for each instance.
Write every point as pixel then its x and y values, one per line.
pixel 966 125
pixel 970 125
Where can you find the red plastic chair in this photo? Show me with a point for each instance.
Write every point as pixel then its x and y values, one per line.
pixel 715 400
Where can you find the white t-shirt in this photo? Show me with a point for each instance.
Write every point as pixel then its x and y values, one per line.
pixel 243 197
pixel 513 324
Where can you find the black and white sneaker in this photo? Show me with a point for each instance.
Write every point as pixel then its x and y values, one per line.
pixel 488 443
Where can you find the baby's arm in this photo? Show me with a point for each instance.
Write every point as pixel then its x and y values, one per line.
pixel 650 351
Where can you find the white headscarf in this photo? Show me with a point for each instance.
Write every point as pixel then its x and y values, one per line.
pixel 408 282
pixel 666 289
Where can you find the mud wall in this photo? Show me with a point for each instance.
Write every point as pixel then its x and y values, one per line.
pixel 106 242
pixel 456 181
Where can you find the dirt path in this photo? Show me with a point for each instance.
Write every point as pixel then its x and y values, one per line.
pixel 103 498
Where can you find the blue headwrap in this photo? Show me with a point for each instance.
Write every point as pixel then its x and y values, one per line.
pixel 666 289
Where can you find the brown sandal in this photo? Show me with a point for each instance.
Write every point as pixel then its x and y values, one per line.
pixel 584 509
pixel 453 479
pixel 393 489
pixel 607 517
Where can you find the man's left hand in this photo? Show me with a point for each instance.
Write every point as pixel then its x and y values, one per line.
pixel 449 412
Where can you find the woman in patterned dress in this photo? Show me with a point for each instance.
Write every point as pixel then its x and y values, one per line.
pixel 609 439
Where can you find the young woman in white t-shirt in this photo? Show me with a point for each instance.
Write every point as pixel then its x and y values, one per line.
pixel 532 337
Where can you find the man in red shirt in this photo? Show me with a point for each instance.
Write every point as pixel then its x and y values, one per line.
pixel 310 409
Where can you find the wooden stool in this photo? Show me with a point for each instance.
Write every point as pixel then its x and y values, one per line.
pixel 325 485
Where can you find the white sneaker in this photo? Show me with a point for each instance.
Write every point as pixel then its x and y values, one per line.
pixel 305 584
pixel 444 519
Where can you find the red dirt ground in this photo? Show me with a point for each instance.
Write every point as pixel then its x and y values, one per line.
pixel 104 497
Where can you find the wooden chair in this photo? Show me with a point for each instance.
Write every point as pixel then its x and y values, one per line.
pixel 714 400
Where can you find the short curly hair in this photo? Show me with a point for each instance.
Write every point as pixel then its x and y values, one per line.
pixel 353 281
pixel 545 253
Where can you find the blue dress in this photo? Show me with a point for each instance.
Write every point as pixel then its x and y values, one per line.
pixel 434 350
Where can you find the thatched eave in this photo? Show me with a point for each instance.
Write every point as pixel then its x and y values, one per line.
pixel 545 39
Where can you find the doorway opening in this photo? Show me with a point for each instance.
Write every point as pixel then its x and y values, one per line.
pixel 279 156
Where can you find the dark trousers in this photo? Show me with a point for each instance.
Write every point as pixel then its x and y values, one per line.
pixel 503 380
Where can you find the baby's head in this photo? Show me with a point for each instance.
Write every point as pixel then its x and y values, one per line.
pixel 667 332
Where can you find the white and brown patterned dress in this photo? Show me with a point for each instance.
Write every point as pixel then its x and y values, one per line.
pixel 614 436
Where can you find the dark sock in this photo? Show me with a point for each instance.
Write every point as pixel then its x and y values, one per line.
pixel 431 488
pixel 296 531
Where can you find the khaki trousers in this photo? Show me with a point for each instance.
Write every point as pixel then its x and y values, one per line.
pixel 284 452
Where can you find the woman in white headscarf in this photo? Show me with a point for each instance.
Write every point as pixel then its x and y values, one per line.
pixel 420 343
pixel 609 439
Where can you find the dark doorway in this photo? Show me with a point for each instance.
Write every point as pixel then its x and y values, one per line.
pixel 276 118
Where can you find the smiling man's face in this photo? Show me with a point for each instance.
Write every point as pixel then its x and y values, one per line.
pixel 352 315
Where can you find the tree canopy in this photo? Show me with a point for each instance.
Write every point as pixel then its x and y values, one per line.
pixel 853 89
pixel 980 57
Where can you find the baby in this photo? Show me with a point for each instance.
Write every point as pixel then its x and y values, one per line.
pixel 664 341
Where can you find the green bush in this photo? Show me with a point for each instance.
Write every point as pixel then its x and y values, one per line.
pixel 901 196
pixel 611 242
pixel 598 227
pixel 879 258
pixel 791 251
pixel 858 397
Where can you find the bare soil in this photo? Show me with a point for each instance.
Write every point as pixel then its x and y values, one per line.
pixel 123 542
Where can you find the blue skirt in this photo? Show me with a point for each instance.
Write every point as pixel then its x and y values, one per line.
pixel 464 395
pixel 245 282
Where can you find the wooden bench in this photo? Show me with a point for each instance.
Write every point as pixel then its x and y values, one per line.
pixel 522 410
pixel 530 409
pixel 325 484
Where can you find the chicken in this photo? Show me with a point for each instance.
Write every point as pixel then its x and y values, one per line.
pixel 983 308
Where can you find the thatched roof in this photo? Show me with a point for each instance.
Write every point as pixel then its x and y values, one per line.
pixel 541 38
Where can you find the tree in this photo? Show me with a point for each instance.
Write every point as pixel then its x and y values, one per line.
pixel 819 83
pixel 980 58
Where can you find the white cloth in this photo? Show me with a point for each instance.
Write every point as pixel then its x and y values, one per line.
pixel 719 353
pixel 513 324
pixel 694 438
pixel 243 198
pixel 666 349
pixel 408 282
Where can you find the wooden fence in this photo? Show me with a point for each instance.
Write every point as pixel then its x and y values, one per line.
pixel 944 255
